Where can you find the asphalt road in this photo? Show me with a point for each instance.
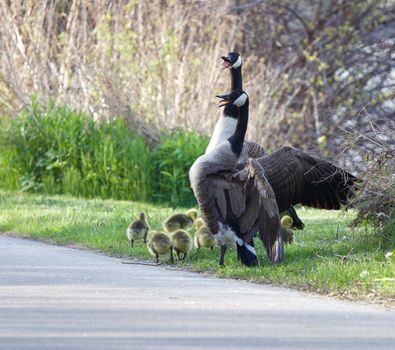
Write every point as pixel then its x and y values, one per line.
pixel 53 297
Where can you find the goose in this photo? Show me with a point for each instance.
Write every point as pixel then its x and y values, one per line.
pixel 203 236
pixel 286 224
pixel 237 203
pixel 159 243
pixel 226 124
pixel 233 61
pixel 138 229
pixel 182 243
pixel 180 221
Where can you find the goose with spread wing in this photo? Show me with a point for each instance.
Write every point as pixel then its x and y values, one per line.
pixel 237 203
pixel 227 123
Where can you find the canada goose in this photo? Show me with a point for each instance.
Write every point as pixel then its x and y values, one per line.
pixel 234 203
pixel 301 160
pixel 203 236
pixel 180 221
pixel 286 224
pixel 138 229
pixel 226 124
pixel 182 243
pixel 159 243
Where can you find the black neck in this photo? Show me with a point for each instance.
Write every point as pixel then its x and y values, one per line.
pixel 237 139
pixel 236 78
pixel 231 110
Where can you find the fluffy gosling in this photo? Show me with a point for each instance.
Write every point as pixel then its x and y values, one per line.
pixel 182 243
pixel 203 236
pixel 286 223
pixel 138 229
pixel 180 221
pixel 160 243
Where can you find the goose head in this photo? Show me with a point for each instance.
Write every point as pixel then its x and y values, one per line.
pixel 236 97
pixel 231 60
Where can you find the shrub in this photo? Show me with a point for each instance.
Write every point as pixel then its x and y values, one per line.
pixel 54 149
pixel 376 204
pixel 173 157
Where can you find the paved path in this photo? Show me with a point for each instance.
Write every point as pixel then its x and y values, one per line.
pixel 60 298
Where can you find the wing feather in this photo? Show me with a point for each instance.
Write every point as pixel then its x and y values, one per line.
pixel 296 177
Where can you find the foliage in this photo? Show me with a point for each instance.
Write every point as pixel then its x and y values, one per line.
pixel 327 257
pixel 376 204
pixel 173 158
pixel 53 149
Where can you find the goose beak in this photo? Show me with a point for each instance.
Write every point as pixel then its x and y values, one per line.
pixel 226 62
pixel 225 100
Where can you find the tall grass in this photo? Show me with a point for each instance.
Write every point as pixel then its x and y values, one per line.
pixel 155 63
pixel 173 157
pixel 55 150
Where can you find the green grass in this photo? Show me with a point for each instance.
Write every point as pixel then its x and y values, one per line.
pixel 327 257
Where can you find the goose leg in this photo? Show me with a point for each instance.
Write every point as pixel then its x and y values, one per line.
pixel 222 255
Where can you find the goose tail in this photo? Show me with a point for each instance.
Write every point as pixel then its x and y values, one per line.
pixel 246 254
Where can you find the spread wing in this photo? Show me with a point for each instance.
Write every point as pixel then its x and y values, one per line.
pixel 246 200
pixel 296 177
pixel 254 149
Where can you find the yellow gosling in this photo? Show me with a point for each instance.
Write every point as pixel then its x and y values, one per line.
pixel 286 223
pixel 199 222
pixel 159 243
pixel 138 229
pixel 180 221
pixel 182 243
pixel 203 236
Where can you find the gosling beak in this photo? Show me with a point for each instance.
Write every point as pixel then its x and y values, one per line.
pixel 226 62
pixel 225 100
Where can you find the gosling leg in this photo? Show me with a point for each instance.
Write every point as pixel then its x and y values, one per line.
pixel 171 256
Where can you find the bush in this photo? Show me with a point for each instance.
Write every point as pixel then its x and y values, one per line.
pixel 376 203
pixel 172 158
pixel 57 150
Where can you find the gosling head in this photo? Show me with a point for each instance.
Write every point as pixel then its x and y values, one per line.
pixel 143 217
pixel 232 60
pixel 199 223
pixel 236 97
pixel 192 213
pixel 286 221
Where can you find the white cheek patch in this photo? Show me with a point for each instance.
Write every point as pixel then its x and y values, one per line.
pixel 240 100
pixel 237 64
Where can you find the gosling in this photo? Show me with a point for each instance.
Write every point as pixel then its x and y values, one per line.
pixel 138 229
pixel 203 236
pixel 286 224
pixel 180 221
pixel 182 243
pixel 160 243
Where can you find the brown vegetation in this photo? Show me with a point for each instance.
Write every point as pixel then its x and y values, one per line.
pixel 310 66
